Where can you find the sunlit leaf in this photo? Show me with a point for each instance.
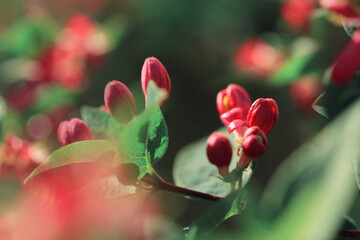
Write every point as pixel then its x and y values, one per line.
pixel 101 122
pixel 78 152
pixel 145 140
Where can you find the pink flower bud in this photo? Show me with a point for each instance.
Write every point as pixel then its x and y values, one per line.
pixel 219 152
pixel 72 131
pixel 154 70
pixel 263 113
pixel 119 101
pixel 254 146
pixel 347 62
pixel 234 96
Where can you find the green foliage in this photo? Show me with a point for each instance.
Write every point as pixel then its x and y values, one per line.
pixel 78 152
pixel 193 170
pixel 337 98
pixel 144 141
pixel 295 67
pixel 53 96
pixel 222 210
pixel 101 122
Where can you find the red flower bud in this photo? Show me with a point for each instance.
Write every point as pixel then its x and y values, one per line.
pixel 254 146
pixel 263 113
pixel 72 131
pixel 219 152
pixel 255 142
pixel 344 8
pixel 234 96
pixel 347 62
pixel 154 70
pixel 119 101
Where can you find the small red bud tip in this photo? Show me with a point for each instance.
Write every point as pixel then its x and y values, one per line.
pixel 255 142
pixel 263 113
pixel 154 70
pixel 234 96
pixel 72 131
pixel 119 101
pixel 219 151
pixel 347 62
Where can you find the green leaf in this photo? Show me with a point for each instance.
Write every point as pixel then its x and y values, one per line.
pixel 294 68
pixel 145 140
pixel 78 152
pixel 193 170
pixel 222 210
pixel 51 97
pixel 101 122
pixel 313 189
pixel 2 117
pixel 349 27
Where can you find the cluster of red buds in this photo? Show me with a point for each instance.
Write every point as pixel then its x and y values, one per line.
pixel 119 102
pixel 249 122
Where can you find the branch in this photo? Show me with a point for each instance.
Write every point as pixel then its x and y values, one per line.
pixel 348 233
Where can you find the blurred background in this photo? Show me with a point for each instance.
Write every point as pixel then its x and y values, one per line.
pixel 56 56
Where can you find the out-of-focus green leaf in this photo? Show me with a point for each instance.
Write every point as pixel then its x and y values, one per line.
pixel 101 122
pixel 2 118
pixel 222 210
pixel 313 189
pixel 294 68
pixel 51 97
pixel 193 170
pixel 26 37
pixel 145 140
pixel 78 152
pixel 337 98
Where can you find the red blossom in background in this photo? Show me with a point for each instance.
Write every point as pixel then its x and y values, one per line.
pixel 80 43
pixel 345 8
pixel 258 59
pixel 52 207
pixel 297 13
pixel 304 92
pixel 19 157
pixel 347 62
